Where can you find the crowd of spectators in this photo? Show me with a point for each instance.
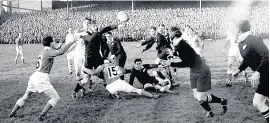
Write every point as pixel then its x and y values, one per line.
pixel 212 22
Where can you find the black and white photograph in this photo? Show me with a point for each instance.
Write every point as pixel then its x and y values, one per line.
pixel 134 61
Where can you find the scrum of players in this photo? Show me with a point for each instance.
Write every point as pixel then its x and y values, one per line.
pixel 89 48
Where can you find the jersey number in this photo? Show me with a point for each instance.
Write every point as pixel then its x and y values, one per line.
pixel 38 63
pixel 112 72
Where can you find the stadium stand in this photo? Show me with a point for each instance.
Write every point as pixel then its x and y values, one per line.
pixel 210 23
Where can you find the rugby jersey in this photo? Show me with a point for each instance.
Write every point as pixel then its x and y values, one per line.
pixel 46 57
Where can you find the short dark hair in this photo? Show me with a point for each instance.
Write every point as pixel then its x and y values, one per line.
pixel 137 60
pixel 90 20
pixel 110 33
pixel 243 25
pixel 174 28
pixel 47 41
pixel 154 28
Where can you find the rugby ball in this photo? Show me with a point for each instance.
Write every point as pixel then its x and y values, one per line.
pixel 122 16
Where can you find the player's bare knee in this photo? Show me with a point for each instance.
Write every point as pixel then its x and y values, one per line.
pixel 257 103
pixel 201 98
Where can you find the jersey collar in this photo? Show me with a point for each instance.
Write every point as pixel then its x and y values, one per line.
pixel 243 36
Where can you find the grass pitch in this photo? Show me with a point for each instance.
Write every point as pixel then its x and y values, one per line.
pixel 99 108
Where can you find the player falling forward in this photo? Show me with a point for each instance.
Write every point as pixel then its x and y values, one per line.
pixel 158 81
pixel 19 48
pixel 39 81
pixel 114 83
pixel 200 75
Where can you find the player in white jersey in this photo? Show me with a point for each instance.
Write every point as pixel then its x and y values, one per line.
pixel 19 48
pixel 70 53
pixel 114 83
pixel 233 53
pixel 79 55
pixel 39 81
pixel 196 43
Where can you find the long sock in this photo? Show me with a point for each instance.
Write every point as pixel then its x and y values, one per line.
pixel 266 115
pixel 47 108
pixel 206 106
pixel 213 99
pixel 77 88
pixel 15 108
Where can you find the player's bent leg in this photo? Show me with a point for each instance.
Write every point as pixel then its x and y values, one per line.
pixel 54 98
pixel 202 98
pixel 22 57
pixel 20 103
pixel 259 102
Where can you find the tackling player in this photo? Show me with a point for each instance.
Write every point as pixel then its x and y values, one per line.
pixel 19 48
pixel 114 83
pixel 200 75
pixel 39 81
pixel 93 42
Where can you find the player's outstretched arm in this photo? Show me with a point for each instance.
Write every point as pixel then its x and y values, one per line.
pixel 63 49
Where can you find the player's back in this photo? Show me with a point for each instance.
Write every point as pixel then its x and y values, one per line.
pixel 45 60
pixel 110 73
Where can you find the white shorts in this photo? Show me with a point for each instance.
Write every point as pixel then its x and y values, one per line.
pixel 19 49
pixel 39 82
pixel 70 55
pixel 234 52
pixel 120 85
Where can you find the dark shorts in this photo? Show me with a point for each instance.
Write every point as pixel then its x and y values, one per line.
pixel 200 78
pixel 120 60
pixel 93 62
pixel 263 87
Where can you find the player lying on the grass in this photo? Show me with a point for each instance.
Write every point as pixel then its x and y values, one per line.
pixel 163 46
pixel 39 81
pixel 200 75
pixel 256 56
pixel 118 53
pixel 114 83
pixel 93 42
pixel 158 81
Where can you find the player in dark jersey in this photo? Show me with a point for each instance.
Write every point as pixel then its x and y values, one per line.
pixel 39 81
pixel 200 75
pixel 163 46
pixel 114 83
pixel 118 53
pixel 158 81
pixel 93 42
pixel 256 56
